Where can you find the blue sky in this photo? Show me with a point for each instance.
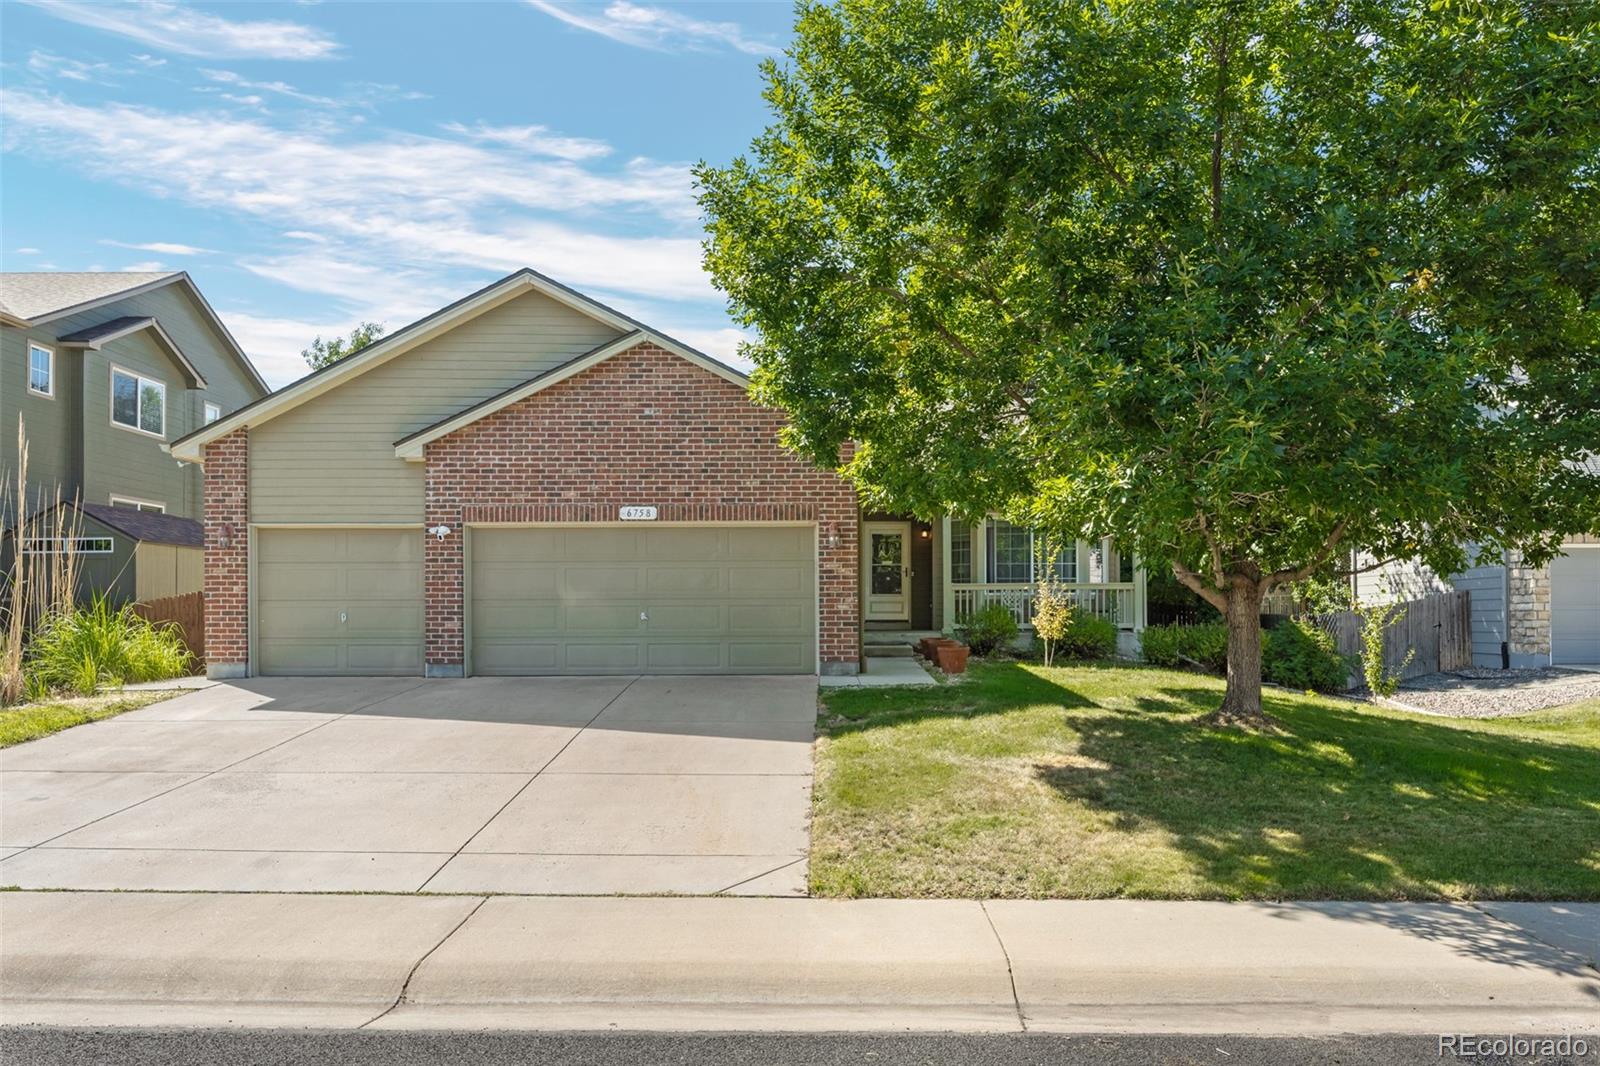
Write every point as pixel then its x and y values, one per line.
pixel 313 165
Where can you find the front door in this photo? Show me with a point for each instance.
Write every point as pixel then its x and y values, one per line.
pixel 886 571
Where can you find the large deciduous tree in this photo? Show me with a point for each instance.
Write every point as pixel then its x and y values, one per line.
pixel 1246 285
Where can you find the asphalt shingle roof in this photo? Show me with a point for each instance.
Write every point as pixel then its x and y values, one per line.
pixel 150 526
pixel 32 295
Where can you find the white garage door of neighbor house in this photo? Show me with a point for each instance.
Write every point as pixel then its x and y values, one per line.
pixel 645 599
pixel 338 601
pixel 1575 607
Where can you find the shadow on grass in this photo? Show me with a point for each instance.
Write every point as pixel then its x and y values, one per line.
pixel 1340 804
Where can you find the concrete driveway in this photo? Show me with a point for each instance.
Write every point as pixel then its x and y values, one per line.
pixel 514 785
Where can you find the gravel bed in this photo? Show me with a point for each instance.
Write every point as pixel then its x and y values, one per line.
pixel 1479 693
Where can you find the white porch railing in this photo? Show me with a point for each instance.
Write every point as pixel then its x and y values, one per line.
pixel 1113 602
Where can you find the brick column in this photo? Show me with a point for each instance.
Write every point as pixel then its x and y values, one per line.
pixel 443 576
pixel 227 529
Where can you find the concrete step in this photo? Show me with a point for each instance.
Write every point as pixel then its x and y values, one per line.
pixel 889 651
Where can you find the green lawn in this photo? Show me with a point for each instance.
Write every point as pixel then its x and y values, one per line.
pixel 30 721
pixel 1094 781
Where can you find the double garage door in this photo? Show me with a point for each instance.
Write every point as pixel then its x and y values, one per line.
pixel 545 600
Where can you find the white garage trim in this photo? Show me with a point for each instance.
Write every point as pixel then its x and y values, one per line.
pixel 466 567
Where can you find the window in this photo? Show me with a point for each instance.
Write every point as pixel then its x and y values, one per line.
pixel 1010 552
pixel 138 505
pixel 1065 563
pixel 138 403
pixel 79 545
pixel 212 413
pixel 41 370
pixel 960 553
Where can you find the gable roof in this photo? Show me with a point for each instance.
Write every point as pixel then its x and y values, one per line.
pixel 189 447
pixel 411 447
pixel 97 336
pixel 148 526
pixel 35 298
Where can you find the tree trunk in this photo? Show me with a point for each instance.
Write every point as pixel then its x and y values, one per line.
pixel 1241 703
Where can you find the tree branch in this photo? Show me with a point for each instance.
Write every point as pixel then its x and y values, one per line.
pixel 1220 129
pixel 1196 584
pixel 1323 554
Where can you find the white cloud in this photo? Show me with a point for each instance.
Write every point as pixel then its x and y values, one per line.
pixel 48 65
pixel 174 28
pixel 160 247
pixel 302 235
pixel 391 198
pixel 537 140
pixel 228 77
pixel 146 266
pixel 656 28
pixel 720 344
pixel 274 344
pixel 27 251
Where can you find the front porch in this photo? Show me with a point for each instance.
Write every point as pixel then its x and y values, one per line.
pixel 937 575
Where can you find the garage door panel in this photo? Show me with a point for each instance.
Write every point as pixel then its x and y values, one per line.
pixel 603 581
pixel 515 657
pixel 692 544
pixel 1575 607
pixel 768 618
pixel 494 620
pixel 772 657
pixel 765 580
pixel 692 580
pixel 601 544
pixel 602 617
pixel 339 601
pixel 603 658
pixel 515 579
pixel 703 658
pixel 705 591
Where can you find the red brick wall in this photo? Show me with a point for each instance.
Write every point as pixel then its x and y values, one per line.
pixel 644 427
pixel 227 518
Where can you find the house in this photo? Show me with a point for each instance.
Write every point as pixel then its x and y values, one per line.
pixel 127 554
pixel 103 370
pixel 529 482
pixel 1521 616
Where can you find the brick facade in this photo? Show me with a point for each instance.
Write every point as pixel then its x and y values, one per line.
pixel 227 530
pixel 643 427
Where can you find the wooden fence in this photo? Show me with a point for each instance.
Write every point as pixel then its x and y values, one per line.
pixel 188 612
pixel 1437 627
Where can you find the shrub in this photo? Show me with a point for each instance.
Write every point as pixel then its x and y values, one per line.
pixel 990 628
pixel 1375 622
pixel 1205 645
pixel 1299 655
pixel 82 648
pixel 1088 637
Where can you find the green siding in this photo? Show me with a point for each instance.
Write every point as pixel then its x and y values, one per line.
pixel 332 459
pixel 71 440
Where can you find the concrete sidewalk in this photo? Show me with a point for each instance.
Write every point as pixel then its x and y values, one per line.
pixel 518 962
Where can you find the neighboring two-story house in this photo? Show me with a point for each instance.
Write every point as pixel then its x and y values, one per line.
pixel 103 370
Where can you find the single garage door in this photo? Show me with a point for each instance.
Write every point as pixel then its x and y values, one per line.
pixel 1575 607
pixel 645 599
pixel 339 601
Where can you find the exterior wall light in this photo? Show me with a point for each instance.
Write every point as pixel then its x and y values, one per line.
pixel 831 538
pixel 440 531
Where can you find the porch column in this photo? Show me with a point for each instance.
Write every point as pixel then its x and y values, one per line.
pixel 946 588
pixel 980 551
pixel 1139 615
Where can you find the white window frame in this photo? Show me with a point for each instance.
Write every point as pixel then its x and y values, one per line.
pixel 35 346
pixel 82 545
pixel 154 506
pixel 138 411
pixel 210 412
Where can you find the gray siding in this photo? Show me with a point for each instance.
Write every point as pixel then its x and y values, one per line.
pixel 72 443
pixel 1411 580
pixel 332 459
